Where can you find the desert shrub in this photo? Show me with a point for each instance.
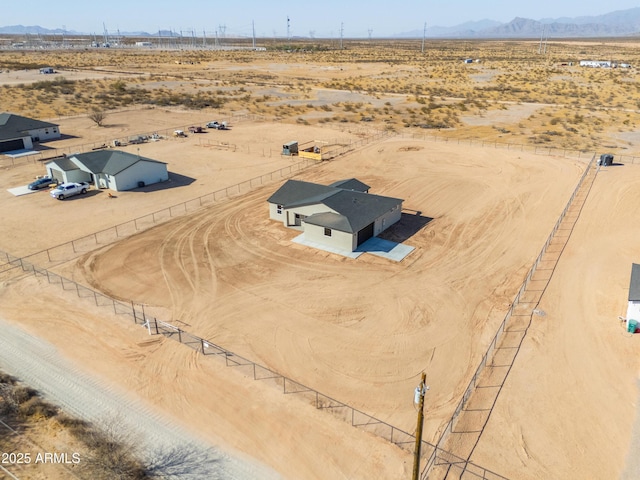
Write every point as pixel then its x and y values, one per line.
pixel 37 407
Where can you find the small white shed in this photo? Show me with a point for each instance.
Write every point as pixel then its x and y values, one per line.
pixel 633 308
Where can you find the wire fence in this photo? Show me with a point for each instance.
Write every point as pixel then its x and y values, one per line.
pixel 72 249
pixel 69 250
pixel 356 418
pixel 135 313
pixel 517 147
pixel 438 457
pixel 48 154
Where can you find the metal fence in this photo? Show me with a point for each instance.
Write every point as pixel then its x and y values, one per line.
pixel 517 147
pixel 165 134
pixel 436 459
pixel 87 243
pixel 133 312
pixel 69 250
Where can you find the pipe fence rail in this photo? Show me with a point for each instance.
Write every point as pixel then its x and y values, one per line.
pixel 136 313
pixel 356 418
pixel 437 456
pixel 47 154
pixel 501 328
pixel 72 249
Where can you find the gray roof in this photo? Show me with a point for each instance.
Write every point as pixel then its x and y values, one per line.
pixel 351 184
pixel 634 284
pixel 15 126
pixel 298 193
pixel 110 162
pixel 357 209
pixel 65 164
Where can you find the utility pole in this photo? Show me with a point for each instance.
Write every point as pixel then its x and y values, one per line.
pixel 419 400
pixel 253 33
pixel 424 34
pixel 341 34
pixel 289 32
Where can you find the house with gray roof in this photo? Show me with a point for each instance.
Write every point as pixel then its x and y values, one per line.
pixel 342 215
pixel 19 133
pixel 113 169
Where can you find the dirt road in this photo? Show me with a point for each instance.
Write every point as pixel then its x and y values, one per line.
pixel 40 365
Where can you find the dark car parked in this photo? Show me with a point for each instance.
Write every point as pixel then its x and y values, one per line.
pixel 41 183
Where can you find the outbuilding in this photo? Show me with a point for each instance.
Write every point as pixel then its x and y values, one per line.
pixel 19 133
pixel 113 169
pixel 290 148
pixel 341 215
pixel 633 308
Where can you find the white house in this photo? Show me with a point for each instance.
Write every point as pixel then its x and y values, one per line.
pixel 19 133
pixel 633 308
pixel 341 215
pixel 111 169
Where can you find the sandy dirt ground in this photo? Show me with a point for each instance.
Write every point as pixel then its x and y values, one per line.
pixel 362 330
pixel 568 408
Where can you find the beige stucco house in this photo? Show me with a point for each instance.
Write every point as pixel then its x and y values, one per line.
pixel 342 215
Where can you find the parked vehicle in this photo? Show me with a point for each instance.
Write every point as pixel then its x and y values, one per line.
pixel 179 133
pixel 606 159
pixel 217 126
pixel 195 129
pixel 40 183
pixel 70 189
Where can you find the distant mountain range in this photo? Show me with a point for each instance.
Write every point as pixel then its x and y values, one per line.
pixel 615 24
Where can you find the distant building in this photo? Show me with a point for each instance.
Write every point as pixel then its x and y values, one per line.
pixel 19 133
pixel 144 44
pixel 596 63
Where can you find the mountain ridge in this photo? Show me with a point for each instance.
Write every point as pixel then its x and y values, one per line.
pixel 619 23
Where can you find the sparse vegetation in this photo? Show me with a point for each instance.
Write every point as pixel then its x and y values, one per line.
pixel 390 83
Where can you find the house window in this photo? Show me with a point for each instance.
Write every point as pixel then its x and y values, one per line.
pixel 327 232
pixel 279 209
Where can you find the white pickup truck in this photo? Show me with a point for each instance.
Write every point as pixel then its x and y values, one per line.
pixel 70 189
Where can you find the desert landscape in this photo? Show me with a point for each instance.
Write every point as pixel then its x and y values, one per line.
pixel 485 164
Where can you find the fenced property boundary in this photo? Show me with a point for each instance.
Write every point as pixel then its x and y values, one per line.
pixel 69 250
pixel 356 418
pixel 439 455
pixel 166 134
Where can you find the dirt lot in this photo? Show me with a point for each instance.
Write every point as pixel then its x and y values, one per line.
pixel 362 330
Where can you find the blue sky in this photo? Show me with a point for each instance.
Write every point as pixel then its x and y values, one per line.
pixel 324 18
